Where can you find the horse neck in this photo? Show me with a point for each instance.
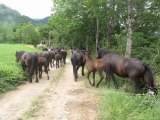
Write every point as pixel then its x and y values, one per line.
pixel 88 58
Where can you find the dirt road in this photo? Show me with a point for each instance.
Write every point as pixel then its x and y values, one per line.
pixel 65 99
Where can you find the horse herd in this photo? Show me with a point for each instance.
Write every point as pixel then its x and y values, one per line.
pixel 108 62
pixel 39 62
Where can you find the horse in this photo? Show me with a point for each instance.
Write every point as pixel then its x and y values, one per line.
pixel 58 59
pixel 64 55
pixel 48 57
pixel 92 65
pixel 77 60
pixel 44 49
pixel 42 62
pixel 132 68
pixel 18 57
pixel 52 57
pixel 30 61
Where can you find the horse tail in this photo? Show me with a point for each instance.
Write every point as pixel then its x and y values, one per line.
pixel 33 66
pixel 148 77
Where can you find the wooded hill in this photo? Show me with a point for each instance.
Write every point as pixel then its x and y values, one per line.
pixel 9 16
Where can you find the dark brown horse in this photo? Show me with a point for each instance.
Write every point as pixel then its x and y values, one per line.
pixel 30 61
pixel 77 60
pixel 64 55
pixel 58 59
pixel 92 65
pixel 133 68
pixel 42 62
pixel 48 57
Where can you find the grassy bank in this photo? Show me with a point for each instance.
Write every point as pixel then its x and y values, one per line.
pixel 11 73
pixel 119 105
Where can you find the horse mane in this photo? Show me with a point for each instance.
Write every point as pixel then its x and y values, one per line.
pixel 89 56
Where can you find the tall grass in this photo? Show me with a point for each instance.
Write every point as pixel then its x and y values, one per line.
pixel 119 105
pixel 11 73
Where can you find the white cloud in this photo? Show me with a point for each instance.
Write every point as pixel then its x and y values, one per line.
pixel 31 8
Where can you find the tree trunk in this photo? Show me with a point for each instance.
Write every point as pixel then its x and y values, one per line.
pixel 49 39
pixel 109 33
pixel 87 43
pixel 129 34
pixel 97 32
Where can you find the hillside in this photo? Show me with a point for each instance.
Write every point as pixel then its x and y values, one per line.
pixel 9 16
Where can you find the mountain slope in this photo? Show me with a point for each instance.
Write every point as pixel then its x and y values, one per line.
pixel 12 17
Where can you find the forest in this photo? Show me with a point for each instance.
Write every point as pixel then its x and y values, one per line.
pixel 84 24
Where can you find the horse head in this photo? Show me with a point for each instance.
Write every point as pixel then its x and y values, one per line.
pixel 101 52
pixel 18 55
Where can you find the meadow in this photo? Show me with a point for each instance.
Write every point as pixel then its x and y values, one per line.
pixel 11 73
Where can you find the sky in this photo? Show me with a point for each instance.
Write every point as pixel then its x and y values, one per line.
pixel 36 9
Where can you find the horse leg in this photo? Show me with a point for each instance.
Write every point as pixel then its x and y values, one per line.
pixel 56 63
pixel 101 78
pixel 113 78
pixel 46 71
pixel 77 71
pixel 36 74
pixel 88 74
pixel 111 74
pixel 107 78
pixel 39 68
pixel 30 77
pixel 53 62
pixel 94 78
pixel 82 70
pixel 47 75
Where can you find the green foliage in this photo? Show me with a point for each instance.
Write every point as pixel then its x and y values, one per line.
pixel 74 24
pixel 117 105
pixel 26 33
pixel 11 73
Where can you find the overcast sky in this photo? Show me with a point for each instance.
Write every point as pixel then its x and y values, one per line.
pixel 35 9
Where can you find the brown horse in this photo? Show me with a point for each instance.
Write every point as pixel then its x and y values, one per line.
pixel 93 66
pixel 30 61
pixel 42 62
pixel 133 68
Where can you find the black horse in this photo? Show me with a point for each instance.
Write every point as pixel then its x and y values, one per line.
pixel 133 68
pixel 64 55
pixel 30 61
pixel 77 60
pixel 48 57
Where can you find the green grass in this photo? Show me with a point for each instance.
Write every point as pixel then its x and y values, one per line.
pixel 119 105
pixel 11 73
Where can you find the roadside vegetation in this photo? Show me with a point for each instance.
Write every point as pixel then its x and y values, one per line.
pixel 119 105
pixel 11 73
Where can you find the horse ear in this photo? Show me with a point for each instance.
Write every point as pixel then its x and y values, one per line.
pixel 97 48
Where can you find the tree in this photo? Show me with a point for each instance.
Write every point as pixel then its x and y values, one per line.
pixel 129 33
pixel 27 33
